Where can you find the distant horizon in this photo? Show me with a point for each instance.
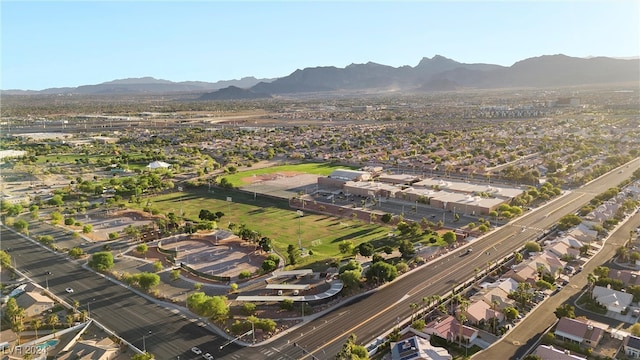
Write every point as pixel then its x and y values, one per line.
pixel 251 76
pixel 50 44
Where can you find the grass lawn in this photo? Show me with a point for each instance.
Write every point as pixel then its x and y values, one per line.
pixel 307 168
pixel 274 219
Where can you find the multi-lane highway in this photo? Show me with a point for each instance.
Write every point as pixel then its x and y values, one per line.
pixel 379 312
pixel 141 322
pixel 132 316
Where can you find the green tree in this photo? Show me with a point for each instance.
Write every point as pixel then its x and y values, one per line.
pixel 36 324
pixel 346 247
pixel 293 253
pixel 69 320
pixel 102 261
pixel 351 265
pixel 532 246
pixel 635 329
pixel 174 274
pixel 418 324
pixel 565 310
pixel 52 320
pixel 386 218
pixel 351 279
pixel 56 200
pixel 510 313
pixel 21 226
pixel 248 308
pixel 449 237
pixel 12 310
pixel 366 249
pixel 76 252
pixel 381 272
pixel 287 304
pixel 148 280
pixel 268 266
pixel 157 266
pixel 406 248
pixel 5 259
pixel 518 257
pixel 56 217
pixel 87 229
pixel 142 249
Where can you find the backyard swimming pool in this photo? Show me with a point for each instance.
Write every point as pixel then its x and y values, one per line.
pixel 48 344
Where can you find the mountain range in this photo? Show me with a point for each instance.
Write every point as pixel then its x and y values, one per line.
pixel 431 74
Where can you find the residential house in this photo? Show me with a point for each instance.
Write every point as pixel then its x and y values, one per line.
pixel 562 250
pixel 103 349
pixel 523 272
pixel 631 346
pixel 528 271
pixel 580 331
pixel 417 347
pixel 583 232
pixel 497 295
pixel 480 311
pixel 628 277
pixel 449 329
pixel 605 211
pixel 34 303
pixel 550 353
pixel 613 300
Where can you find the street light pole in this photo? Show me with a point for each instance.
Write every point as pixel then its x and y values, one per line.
pixel 144 344
pixel 89 307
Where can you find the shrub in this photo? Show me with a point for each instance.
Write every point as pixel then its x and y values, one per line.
pixel 248 309
pixel 244 274
pixel 286 304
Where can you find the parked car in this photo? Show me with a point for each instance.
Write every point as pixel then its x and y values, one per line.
pixel 208 356
pixel 196 350
pixel 69 290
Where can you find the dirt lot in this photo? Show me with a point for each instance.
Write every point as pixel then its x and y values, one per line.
pixel 224 257
pixel 284 184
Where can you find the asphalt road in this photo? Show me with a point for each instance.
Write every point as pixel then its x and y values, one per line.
pixel 132 316
pixel 165 333
pixel 379 312
pixel 519 340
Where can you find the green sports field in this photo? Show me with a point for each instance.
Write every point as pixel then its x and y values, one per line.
pixel 274 219
pixel 243 178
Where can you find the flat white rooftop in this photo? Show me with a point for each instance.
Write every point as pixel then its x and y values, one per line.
pixel 287 287
pixel 292 272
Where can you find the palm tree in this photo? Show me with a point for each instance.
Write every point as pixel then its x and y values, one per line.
pixel 36 324
pixel 413 307
pixel 461 319
pixel 426 301
pixel 494 304
pixel 456 299
pixel 591 280
pixel 69 319
pixel 84 315
pixel 18 327
pixel 53 321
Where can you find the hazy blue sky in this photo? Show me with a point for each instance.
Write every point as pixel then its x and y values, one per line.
pixel 71 43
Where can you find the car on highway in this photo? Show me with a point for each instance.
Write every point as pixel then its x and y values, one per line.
pixel 208 356
pixel 69 290
pixel 196 350
pixel 48 273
